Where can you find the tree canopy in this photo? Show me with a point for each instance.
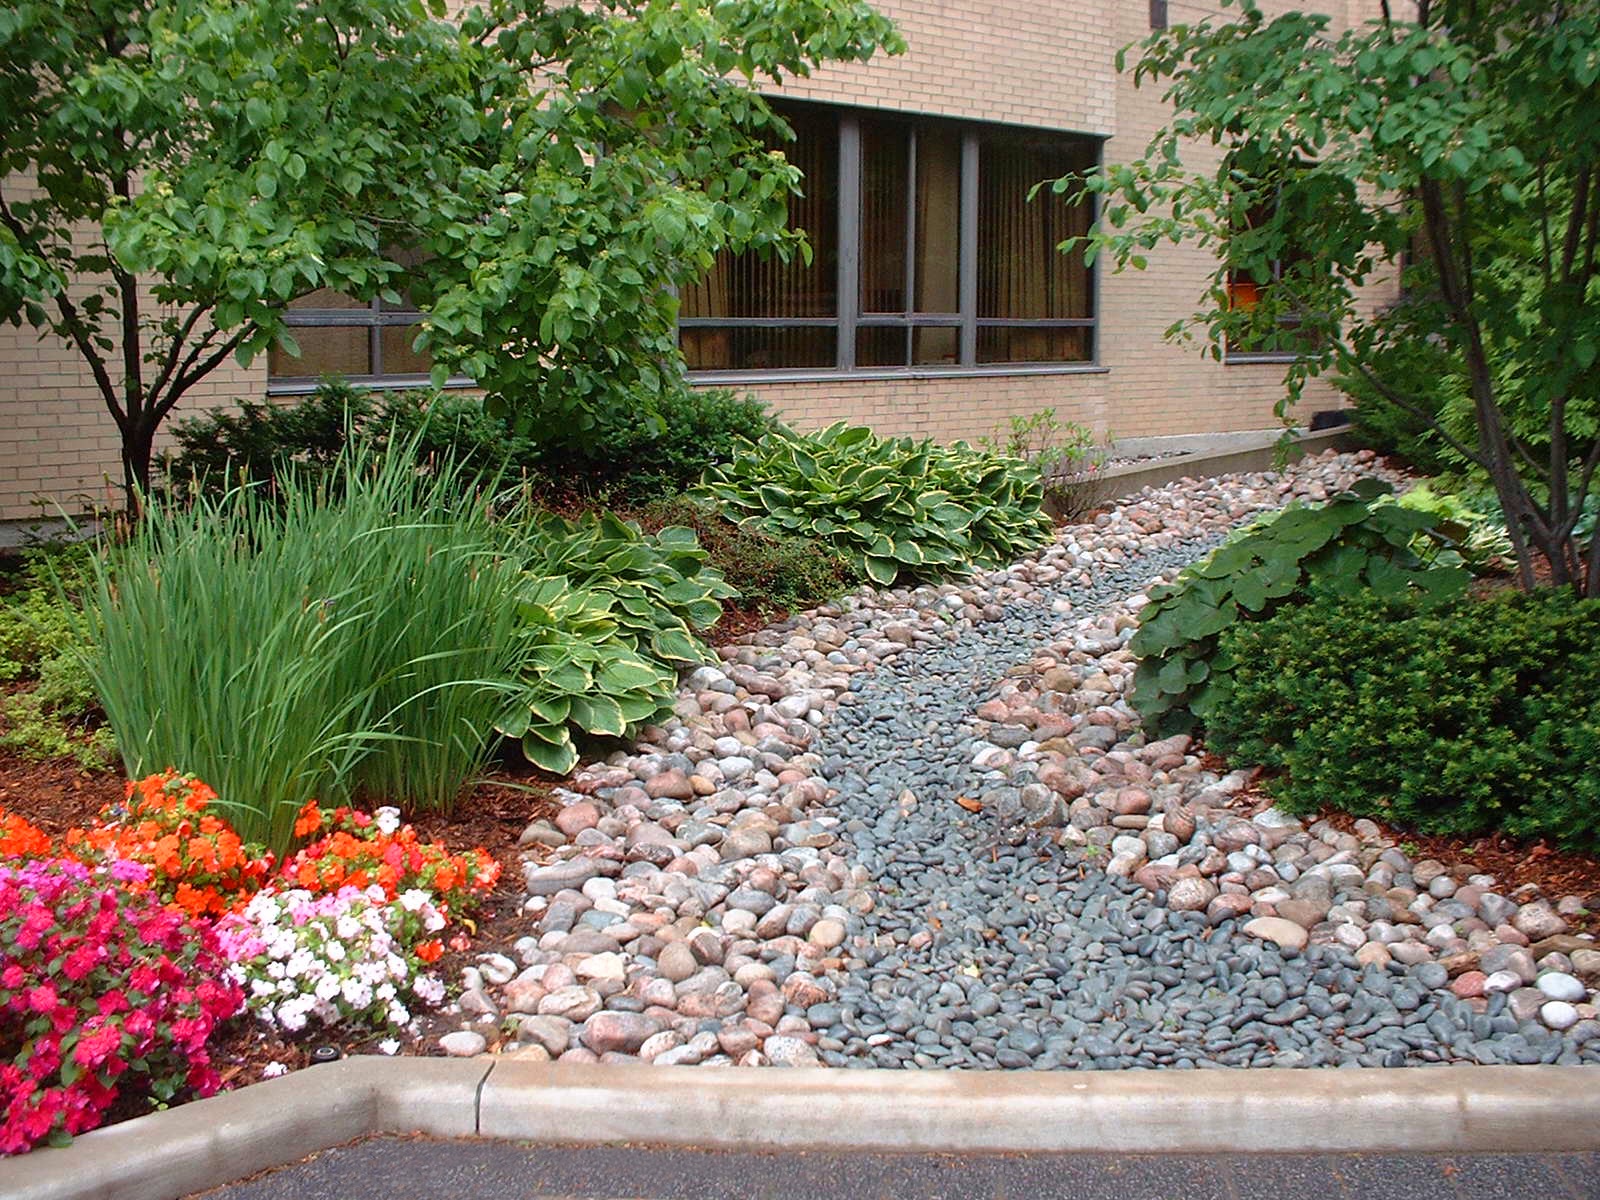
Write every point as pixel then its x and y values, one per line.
pixel 1456 141
pixel 173 173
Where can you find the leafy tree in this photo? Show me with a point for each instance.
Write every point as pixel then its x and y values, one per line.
pixel 1460 138
pixel 174 172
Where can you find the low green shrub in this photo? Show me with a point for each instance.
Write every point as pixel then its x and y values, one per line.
pixel 343 638
pixel 260 443
pixel 607 616
pixel 1431 376
pixel 1351 544
pixel 897 509
pixel 661 453
pixel 59 716
pixel 772 572
pixel 35 625
pixel 1470 717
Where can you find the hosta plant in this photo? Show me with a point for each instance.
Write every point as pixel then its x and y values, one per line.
pixel 1353 544
pixel 606 617
pixel 897 509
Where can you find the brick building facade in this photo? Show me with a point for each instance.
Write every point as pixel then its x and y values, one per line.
pixel 983 85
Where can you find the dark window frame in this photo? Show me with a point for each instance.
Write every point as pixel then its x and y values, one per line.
pixel 851 320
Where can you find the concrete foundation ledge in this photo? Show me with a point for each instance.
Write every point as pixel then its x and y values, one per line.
pixel 212 1142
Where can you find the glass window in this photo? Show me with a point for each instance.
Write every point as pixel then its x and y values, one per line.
pixel 1250 288
pixel 927 283
pixel 365 342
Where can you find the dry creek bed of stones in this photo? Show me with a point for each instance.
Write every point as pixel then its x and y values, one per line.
pixel 923 828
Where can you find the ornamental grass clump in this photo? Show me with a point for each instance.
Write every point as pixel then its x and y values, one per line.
pixel 348 637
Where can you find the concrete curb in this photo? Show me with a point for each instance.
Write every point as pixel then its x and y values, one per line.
pixel 1204 457
pixel 212 1142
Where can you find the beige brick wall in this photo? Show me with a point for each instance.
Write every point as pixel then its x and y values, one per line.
pixel 1050 63
pixel 1034 62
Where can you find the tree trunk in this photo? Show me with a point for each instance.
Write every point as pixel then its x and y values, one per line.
pixel 138 449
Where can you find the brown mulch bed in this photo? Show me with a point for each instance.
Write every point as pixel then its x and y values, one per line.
pixel 55 794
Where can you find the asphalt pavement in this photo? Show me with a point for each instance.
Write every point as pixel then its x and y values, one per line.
pixel 431 1169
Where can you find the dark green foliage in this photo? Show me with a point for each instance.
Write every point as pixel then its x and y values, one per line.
pixel 1431 375
pixel 642 458
pixel 899 510
pixel 260 443
pixel 645 457
pixel 1474 716
pixel 774 573
pixel 1346 547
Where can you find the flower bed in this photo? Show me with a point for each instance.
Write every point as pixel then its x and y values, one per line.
pixel 130 942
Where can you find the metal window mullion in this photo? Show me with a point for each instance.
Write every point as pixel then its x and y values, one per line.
pixel 849 282
pixel 910 276
pixel 967 253
pixel 1094 269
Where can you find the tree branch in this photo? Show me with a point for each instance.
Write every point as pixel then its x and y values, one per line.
pixel 189 378
pixel 128 287
pixel 178 339
pixel 1415 410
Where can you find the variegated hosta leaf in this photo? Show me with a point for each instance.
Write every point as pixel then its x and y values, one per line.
pixel 609 614
pixel 896 508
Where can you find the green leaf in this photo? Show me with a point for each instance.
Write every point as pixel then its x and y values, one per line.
pixel 557 759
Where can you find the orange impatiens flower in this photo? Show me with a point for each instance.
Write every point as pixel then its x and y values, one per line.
pixel 19 839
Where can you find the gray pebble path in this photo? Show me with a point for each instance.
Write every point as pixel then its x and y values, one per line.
pixel 1042 960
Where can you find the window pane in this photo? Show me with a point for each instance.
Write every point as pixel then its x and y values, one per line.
pixel 938 259
pixel 1021 275
pixel 758 348
pixel 881 346
pixel 935 346
pixel 746 285
pixel 1024 345
pixel 885 178
pixel 324 350
pixel 398 356
pixel 327 298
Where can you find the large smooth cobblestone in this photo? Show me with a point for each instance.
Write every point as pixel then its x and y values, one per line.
pixel 922 828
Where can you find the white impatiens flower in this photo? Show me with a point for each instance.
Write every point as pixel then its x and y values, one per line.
pixel 389 1046
pixel 356 994
pixel 340 959
pixel 386 820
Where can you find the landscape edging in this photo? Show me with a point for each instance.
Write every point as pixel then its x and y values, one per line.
pixel 216 1141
